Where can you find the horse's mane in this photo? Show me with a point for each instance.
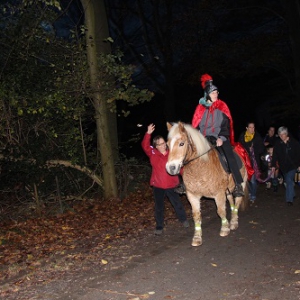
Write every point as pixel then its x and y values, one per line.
pixel 199 141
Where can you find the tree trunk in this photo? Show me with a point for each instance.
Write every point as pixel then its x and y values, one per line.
pixel 101 34
pixel 94 10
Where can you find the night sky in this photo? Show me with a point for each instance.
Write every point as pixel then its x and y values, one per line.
pixel 244 45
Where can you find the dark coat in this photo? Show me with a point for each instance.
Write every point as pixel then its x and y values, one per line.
pixel 257 144
pixel 271 139
pixel 287 155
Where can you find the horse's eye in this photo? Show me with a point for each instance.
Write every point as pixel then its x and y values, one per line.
pixel 181 144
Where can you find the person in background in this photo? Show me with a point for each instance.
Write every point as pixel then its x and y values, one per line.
pixel 271 175
pixel 269 140
pixel 213 118
pixel 162 182
pixel 287 153
pixel 253 143
pixel 271 137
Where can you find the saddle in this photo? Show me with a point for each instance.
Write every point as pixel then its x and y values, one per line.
pixel 224 161
pixel 222 157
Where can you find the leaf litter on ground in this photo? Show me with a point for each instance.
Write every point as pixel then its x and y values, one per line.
pixel 42 249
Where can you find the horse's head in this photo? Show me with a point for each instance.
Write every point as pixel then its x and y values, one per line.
pixel 185 144
pixel 178 143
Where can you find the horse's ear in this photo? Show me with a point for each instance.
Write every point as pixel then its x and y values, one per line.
pixel 169 126
pixel 180 126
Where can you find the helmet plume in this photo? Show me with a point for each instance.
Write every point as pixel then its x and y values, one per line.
pixel 204 78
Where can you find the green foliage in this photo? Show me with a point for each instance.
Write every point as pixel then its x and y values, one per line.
pixel 115 83
pixel 45 97
pixel 47 3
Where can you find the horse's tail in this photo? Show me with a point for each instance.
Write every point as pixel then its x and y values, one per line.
pixel 245 202
pixel 247 172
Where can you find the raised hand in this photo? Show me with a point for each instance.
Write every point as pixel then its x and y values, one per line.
pixel 151 128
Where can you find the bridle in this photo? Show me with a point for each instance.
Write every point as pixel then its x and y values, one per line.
pixel 184 162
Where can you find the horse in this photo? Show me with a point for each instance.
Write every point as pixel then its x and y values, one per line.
pixel 203 176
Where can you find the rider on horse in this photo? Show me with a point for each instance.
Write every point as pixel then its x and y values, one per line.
pixel 213 118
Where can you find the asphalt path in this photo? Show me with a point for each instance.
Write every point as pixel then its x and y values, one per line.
pixel 260 260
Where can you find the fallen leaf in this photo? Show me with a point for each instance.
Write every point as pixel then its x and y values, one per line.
pixel 104 262
pixel 252 222
pixel 297 271
pixel 66 228
pixel 214 265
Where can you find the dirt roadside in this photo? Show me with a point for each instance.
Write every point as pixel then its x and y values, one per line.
pixel 258 261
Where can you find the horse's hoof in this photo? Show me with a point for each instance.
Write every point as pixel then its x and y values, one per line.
pixel 234 226
pixel 224 232
pixel 197 242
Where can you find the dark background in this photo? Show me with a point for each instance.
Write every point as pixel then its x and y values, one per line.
pixel 244 45
pixel 246 100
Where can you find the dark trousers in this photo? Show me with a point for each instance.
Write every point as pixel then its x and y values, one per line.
pixel 234 168
pixel 159 196
pixel 290 185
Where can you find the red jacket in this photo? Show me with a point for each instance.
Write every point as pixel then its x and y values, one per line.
pixel 160 178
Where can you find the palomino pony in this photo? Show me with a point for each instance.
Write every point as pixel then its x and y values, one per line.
pixel 203 175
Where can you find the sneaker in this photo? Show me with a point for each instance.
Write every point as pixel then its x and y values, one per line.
pixel 238 191
pixel 186 224
pixel 158 231
pixel 290 203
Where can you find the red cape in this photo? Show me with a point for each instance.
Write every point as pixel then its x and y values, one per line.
pixel 241 151
pixel 219 104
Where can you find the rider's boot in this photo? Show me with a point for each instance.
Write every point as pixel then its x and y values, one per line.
pixel 238 191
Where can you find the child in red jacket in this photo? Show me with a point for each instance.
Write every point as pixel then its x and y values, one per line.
pixel 162 182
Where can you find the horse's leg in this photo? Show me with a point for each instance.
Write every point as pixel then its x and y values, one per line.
pixel 234 222
pixel 234 207
pixel 196 210
pixel 221 210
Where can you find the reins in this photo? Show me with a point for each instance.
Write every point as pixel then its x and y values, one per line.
pixel 187 162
